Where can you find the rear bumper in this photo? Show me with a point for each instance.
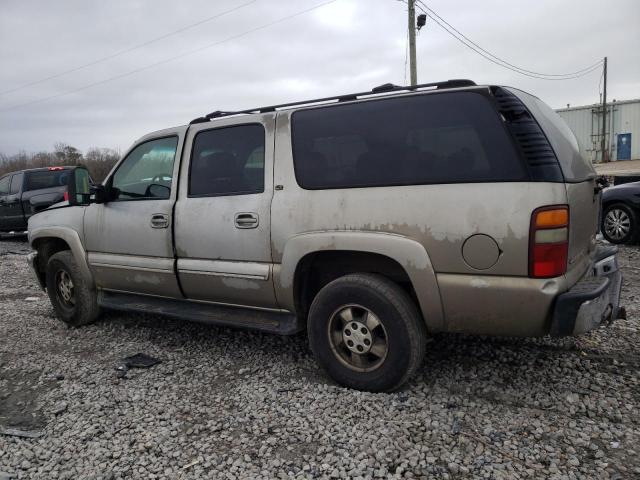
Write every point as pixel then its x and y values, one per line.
pixel 593 300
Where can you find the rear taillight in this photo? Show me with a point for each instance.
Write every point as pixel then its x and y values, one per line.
pixel 549 241
pixel 66 196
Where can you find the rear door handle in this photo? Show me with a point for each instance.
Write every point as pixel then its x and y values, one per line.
pixel 159 220
pixel 247 220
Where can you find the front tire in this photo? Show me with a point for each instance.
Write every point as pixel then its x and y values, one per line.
pixel 620 224
pixel 366 332
pixel 74 301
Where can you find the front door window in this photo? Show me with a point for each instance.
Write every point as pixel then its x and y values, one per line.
pixel 147 172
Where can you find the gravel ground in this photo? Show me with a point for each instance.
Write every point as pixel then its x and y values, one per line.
pixel 233 404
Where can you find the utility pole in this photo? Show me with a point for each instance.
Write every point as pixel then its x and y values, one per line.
pixel 605 156
pixel 412 43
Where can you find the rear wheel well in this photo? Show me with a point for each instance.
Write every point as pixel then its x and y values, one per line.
pixel 317 269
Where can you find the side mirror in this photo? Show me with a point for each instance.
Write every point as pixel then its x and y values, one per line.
pixel 79 186
pixel 100 193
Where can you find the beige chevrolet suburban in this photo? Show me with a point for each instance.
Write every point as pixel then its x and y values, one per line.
pixel 372 220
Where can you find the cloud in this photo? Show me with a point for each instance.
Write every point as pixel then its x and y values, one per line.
pixel 349 45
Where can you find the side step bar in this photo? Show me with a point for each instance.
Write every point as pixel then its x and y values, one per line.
pixel 227 316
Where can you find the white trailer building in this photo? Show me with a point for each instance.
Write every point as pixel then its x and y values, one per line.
pixel 622 138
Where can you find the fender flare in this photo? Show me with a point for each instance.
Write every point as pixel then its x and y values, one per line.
pixel 410 254
pixel 72 239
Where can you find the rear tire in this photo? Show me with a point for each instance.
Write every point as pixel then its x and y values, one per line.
pixel 620 224
pixel 74 301
pixel 366 332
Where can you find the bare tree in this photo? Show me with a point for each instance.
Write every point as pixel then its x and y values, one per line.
pixel 99 161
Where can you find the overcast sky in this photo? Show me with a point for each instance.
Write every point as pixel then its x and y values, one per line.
pixel 345 46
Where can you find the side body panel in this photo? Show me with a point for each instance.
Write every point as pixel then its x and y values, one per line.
pixel 438 218
pixel 582 196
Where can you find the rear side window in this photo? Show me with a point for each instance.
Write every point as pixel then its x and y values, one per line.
pixel 16 183
pixel 454 137
pixel 228 161
pixel 46 179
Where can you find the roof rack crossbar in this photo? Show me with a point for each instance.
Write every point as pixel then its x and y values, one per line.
pixel 381 89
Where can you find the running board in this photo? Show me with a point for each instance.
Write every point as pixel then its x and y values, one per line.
pixel 227 316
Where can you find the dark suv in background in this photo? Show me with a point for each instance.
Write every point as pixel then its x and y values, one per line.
pixel 27 192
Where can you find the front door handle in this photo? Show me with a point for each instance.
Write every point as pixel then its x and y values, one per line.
pixel 159 220
pixel 247 220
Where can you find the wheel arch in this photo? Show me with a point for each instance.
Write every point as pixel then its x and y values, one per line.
pixel 402 259
pixel 50 240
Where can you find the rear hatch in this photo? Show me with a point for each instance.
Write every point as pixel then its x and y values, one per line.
pixel 580 182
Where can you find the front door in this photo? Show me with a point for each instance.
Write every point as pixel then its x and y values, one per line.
pixel 223 220
pixel 128 239
pixel 13 205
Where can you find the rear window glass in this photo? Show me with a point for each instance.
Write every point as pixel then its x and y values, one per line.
pixel 435 138
pixel 46 179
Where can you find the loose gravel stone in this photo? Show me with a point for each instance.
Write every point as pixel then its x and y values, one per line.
pixel 235 404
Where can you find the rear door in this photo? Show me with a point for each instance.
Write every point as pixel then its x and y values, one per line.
pixel 222 229
pixel 128 239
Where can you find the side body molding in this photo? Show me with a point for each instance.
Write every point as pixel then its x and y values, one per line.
pixel 72 239
pixel 408 253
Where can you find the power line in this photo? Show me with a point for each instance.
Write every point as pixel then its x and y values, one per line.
pixel 494 58
pixel 127 50
pixel 170 59
pixel 434 13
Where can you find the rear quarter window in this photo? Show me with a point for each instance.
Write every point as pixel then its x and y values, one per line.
pixel 453 137
pixel 46 179
pixel 575 166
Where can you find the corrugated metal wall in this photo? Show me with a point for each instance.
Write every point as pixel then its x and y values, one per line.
pixel 586 123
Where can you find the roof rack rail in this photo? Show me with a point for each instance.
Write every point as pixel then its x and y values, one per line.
pixel 381 89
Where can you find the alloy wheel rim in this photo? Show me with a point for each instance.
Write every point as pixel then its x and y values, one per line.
pixel 617 224
pixel 65 289
pixel 358 338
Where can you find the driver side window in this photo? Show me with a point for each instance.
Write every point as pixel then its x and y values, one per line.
pixel 147 171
